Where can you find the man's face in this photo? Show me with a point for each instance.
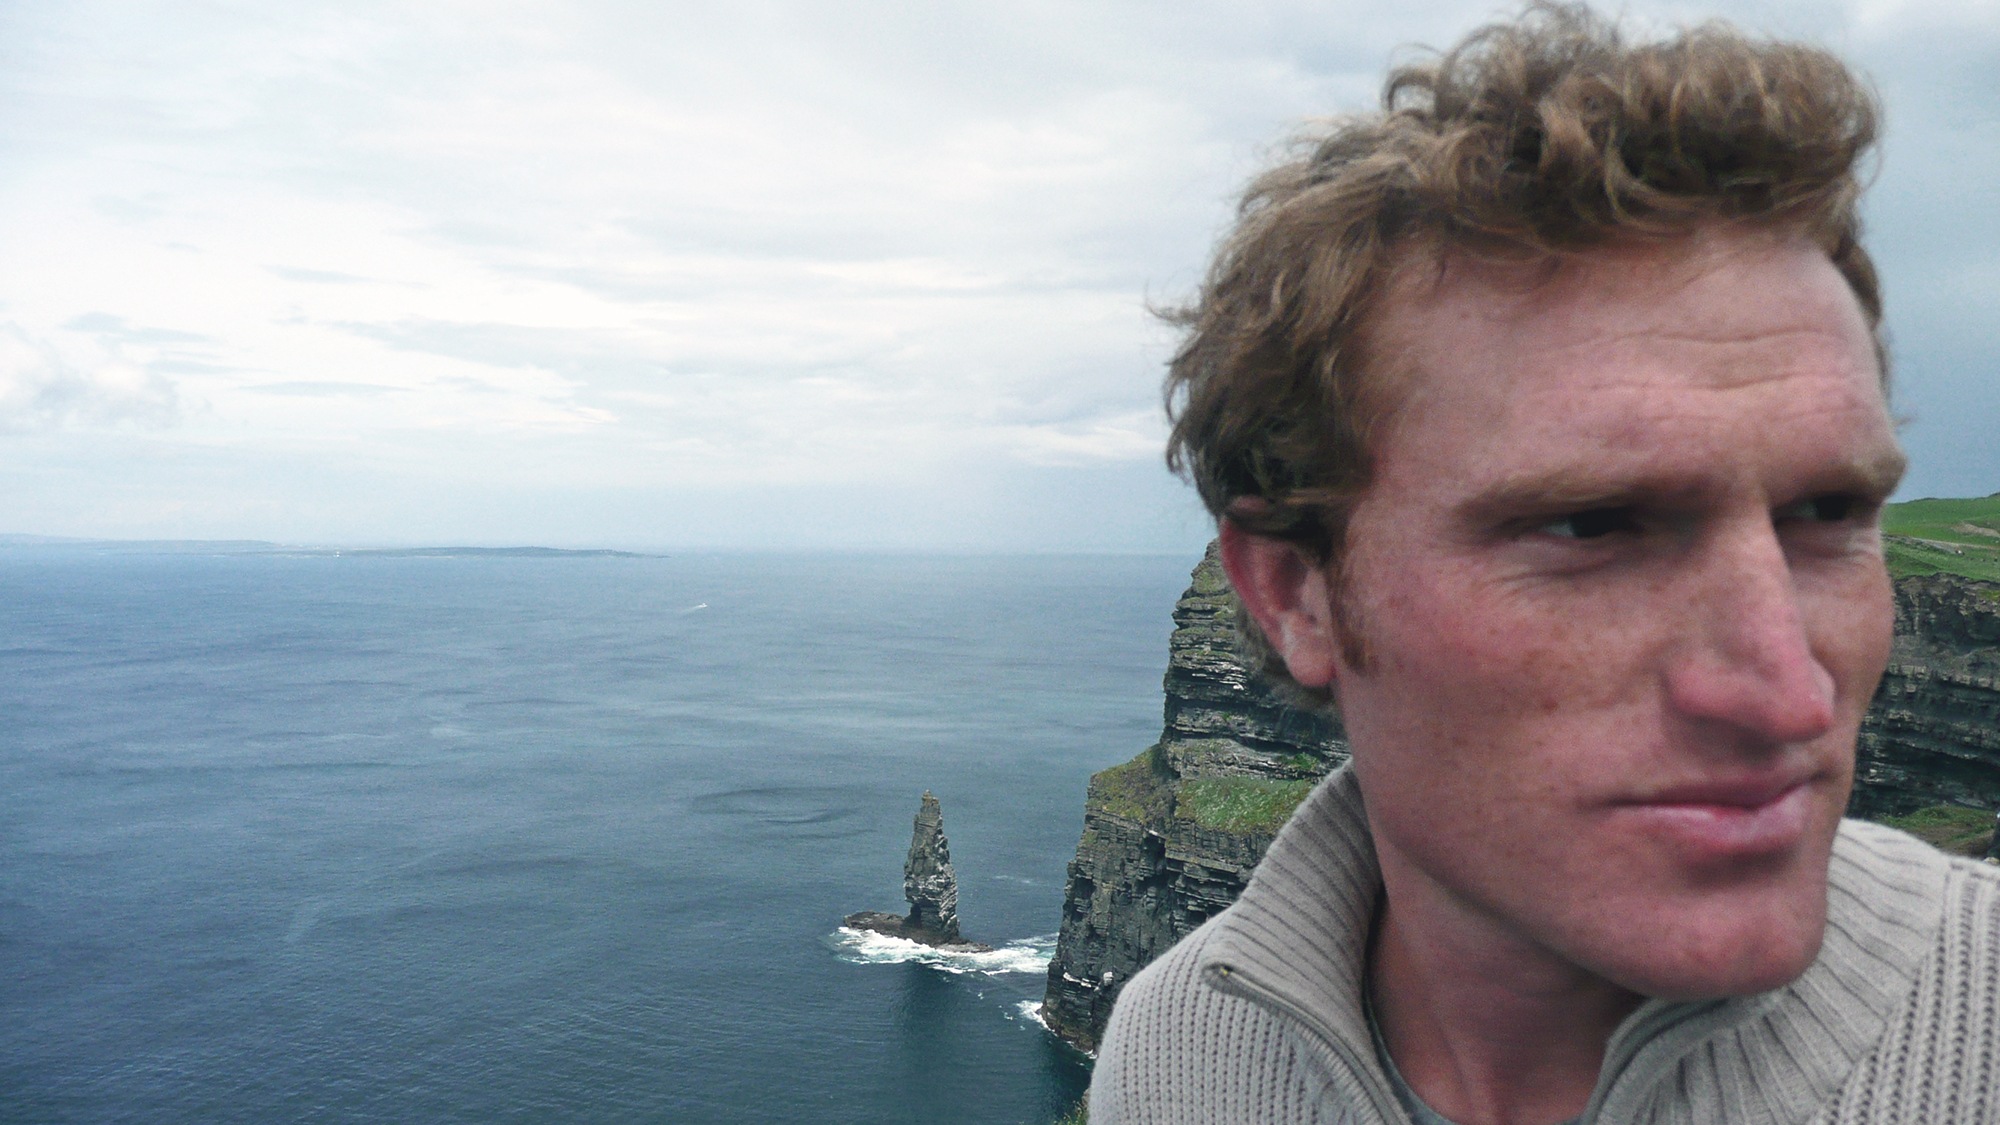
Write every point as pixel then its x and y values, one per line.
pixel 1621 594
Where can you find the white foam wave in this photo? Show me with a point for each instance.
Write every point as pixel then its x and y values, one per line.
pixel 1031 1010
pixel 864 947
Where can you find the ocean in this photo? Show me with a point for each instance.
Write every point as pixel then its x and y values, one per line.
pixel 306 838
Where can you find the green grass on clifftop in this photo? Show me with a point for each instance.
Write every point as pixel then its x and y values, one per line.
pixel 1932 536
pixel 1953 829
pixel 1137 790
pixel 1239 804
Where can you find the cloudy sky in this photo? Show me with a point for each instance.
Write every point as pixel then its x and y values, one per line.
pixel 756 274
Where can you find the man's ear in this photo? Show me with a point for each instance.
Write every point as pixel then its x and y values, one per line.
pixel 1289 597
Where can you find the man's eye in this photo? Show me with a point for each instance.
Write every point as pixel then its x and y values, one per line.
pixel 1820 509
pixel 1593 523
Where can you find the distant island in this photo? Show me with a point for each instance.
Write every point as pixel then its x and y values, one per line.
pixel 460 552
pixel 261 547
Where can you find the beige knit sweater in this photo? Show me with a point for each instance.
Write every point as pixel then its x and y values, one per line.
pixel 1256 1016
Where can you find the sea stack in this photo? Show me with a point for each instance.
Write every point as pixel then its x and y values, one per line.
pixel 930 885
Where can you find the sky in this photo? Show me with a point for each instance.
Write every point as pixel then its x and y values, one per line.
pixel 755 275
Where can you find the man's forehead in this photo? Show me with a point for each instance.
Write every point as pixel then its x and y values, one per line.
pixel 1505 286
pixel 1643 296
pixel 1625 369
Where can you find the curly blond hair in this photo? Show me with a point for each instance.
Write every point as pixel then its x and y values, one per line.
pixel 1539 137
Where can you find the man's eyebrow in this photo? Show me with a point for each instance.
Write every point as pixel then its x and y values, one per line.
pixel 1573 488
pixel 1882 474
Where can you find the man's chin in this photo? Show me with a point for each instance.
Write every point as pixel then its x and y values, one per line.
pixel 1717 961
pixel 1731 925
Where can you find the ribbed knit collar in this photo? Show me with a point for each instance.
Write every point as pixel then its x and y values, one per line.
pixel 1296 941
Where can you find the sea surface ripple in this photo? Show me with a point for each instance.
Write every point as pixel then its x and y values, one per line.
pixel 314 838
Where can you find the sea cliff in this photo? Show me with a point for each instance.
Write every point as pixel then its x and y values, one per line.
pixel 1170 837
pixel 1932 736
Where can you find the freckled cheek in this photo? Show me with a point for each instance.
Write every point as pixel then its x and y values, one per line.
pixel 1856 669
pixel 1513 663
pixel 1853 634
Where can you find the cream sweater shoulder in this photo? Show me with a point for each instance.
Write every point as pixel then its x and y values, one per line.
pixel 1255 1017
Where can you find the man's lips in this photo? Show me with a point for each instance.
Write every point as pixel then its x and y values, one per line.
pixel 1747 792
pixel 1733 818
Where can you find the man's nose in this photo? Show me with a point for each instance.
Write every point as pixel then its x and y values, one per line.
pixel 1748 659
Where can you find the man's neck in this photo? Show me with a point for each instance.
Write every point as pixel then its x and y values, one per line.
pixel 1489 1033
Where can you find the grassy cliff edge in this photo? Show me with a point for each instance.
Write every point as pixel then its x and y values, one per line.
pixel 1932 536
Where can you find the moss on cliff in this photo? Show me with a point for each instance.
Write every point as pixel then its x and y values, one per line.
pixel 1948 828
pixel 1239 804
pixel 1139 790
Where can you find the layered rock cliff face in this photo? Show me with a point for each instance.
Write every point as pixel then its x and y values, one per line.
pixel 1170 837
pixel 1933 734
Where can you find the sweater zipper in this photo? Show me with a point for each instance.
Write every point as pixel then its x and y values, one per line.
pixel 1655 1027
pixel 1229 978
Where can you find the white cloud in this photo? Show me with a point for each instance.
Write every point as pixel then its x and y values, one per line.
pixel 602 246
pixel 42 388
pixel 1902 17
pixel 1132 437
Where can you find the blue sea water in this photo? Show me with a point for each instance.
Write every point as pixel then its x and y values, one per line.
pixel 304 838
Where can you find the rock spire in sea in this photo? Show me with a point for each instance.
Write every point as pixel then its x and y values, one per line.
pixel 929 883
pixel 931 886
